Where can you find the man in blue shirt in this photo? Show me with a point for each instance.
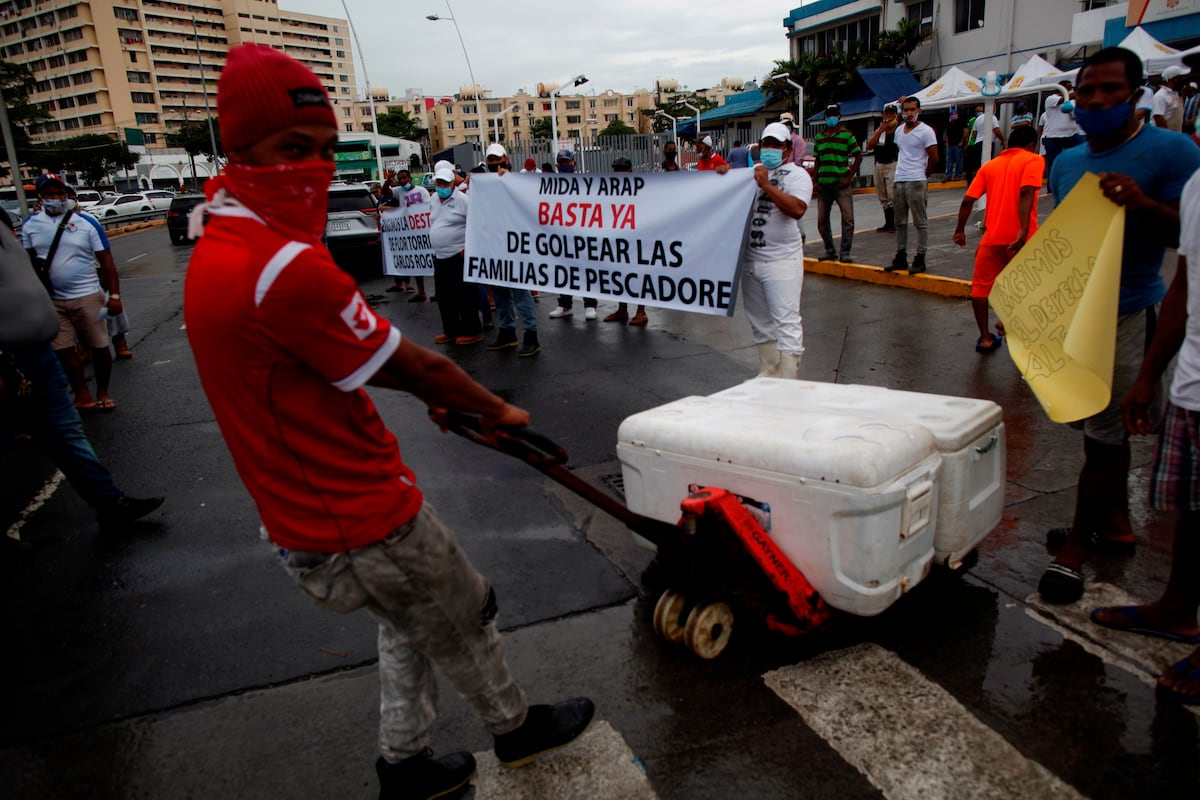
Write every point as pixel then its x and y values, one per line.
pixel 1143 169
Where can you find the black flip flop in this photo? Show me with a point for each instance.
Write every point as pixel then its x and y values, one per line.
pixel 1060 584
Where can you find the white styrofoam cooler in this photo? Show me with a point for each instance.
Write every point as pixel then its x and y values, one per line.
pixel 856 481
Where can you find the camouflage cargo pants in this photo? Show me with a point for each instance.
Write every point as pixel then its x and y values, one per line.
pixel 433 608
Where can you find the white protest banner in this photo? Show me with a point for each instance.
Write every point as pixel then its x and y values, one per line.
pixel 666 240
pixel 406 246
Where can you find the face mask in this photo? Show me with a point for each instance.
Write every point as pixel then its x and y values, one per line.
pixel 57 207
pixel 911 117
pixel 831 122
pixel 444 192
pixel 292 198
pixel 495 167
pixel 1104 123
pixel 669 155
pixel 407 187
pixel 566 167
pixel 770 157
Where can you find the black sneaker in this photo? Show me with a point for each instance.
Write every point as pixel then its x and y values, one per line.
pixel 505 338
pixel 918 264
pixel 530 347
pixel 423 777
pixel 899 262
pixel 546 728
pixel 845 258
pixel 829 256
pixel 126 509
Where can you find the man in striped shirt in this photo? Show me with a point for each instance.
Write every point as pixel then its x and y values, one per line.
pixel 838 156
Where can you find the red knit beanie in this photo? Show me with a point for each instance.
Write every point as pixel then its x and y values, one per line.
pixel 262 91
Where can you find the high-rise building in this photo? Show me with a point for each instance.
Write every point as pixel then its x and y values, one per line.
pixel 110 66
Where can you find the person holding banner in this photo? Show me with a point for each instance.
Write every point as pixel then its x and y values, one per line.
pixel 508 298
pixel 284 344
pixel 402 193
pixel 773 258
pixel 1143 169
pixel 622 313
pixel 458 302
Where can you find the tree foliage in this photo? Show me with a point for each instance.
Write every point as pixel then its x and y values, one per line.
pixel 541 128
pixel 93 155
pixel 618 128
pixel 193 137
pixel 828 78
pixel 17 83
pixel 676 108
pixel 398 123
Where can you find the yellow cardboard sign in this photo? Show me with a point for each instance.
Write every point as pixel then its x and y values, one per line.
pixel 1058 301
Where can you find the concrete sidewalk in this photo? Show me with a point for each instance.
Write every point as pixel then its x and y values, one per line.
pixel 949 266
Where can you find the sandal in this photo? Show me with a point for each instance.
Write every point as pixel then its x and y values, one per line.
pixel 124 354
pixel 105 405
pixel 980 347
pixel 1060 584
pixel 1180 671
pixel 617 316
pixel 639 319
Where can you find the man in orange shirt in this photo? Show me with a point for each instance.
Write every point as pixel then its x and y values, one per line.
pixel 1011 182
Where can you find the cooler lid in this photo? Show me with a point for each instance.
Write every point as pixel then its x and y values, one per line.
pixel 955 422
pixel 793 442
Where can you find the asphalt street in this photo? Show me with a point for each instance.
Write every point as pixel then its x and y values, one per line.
pixel 176 659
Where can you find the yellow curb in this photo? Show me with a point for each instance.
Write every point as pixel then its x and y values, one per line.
pixel 924 282
pixel 134 227
pixel 932 187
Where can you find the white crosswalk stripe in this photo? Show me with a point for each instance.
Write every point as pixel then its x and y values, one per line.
pixel 906 734
pixel 598 765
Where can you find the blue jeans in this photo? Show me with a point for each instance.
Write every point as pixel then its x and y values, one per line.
pixel 1057 145
pixel 506 298
pixel 954 162
pixel 55 425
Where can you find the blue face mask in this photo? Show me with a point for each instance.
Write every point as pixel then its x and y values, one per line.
pixel 831 122
pixel 770 157
pixel 444 192
pixel 1105 123
pixel 566 168
pixel 407 187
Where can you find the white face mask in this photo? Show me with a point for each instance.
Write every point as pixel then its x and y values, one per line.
pixel 57 207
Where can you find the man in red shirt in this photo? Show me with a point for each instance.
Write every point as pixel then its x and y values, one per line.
pixel 1011 182
pixel 284 343
pixel 709 158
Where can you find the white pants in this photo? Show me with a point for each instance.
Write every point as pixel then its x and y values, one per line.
pixel 771 300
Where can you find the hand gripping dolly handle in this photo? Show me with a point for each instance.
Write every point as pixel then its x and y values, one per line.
pixel 548 458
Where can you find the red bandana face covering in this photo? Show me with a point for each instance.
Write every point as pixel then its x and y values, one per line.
pixel 291 198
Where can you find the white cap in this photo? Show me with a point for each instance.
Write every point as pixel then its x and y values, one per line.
pixel 1052 101
pixel 443 172
pixel 787 115
pixel 1174 72
pixel 777 131
pixel 707 140
pixel 496 149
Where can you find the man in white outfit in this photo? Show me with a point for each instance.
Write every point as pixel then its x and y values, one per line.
pixel 773 258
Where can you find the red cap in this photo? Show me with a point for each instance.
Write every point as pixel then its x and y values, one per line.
pixel 262 91
pixel 530 164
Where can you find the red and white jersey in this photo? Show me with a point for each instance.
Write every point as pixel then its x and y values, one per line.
pixel 284 342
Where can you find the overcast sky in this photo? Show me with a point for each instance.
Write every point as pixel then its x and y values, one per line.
pixel 618 44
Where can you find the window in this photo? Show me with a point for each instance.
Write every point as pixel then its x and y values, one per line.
pixel 345 90
pixel 574 105
pixel 13 49
pixel 345 111
pixel 137 77
pixel 132 56
pixel 144 118
pixel 33 45
pixel 450 125
pixel 73 35
pixel 51 40
pixel 529 106
pixel 968 15
pixel 56 61
pixel 151 138
pixel 610 103
pixel 70 124
pixel 343 78
pixel 70 12
pixel 62 83
pixel 468 109
pixel 145 98
pixel 130 14
pixel 91 120
pixel 66 102
pixel 339 42
pixel 629 103
pixel 77 57
pixel 471 124
pixel 610 117
pixel 81 78
pixel 47 18
pixel 88 99
pixel 573 119
pixel 493 108
pixel 841 36
pixel 10 29
pixel 922 14
pixel 349 126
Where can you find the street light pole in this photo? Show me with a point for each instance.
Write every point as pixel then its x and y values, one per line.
pixel 370 94
pixel 495 127
pixel 693 108
pixel 212 136
pixel 674 129
pixel 799 94
pixel 578 80
pixel 475 88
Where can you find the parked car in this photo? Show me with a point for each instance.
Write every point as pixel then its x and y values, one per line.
pixel 352 229
pixel 127 204
pixel 178 213
pixel 86 198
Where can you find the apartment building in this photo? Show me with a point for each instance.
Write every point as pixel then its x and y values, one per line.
pixel 580 115
pixel 115 66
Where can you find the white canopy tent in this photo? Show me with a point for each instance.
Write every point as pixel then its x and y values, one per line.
pixel 953 88
pixel 1035 74
pixel 1155 55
